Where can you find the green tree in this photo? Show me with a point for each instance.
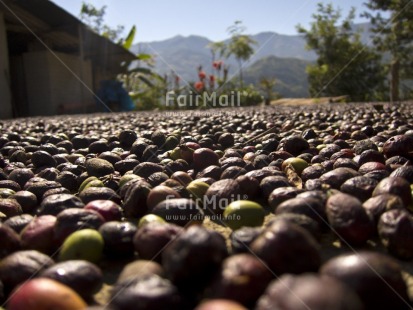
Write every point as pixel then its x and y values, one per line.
pixel 267 86
pixel 344 65
pixel 240 46
pixel 217 49
pixel 394 35
pixel 94 18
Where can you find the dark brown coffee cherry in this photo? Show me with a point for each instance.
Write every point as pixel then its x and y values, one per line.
pixel 348 219
pixel 375 277
pixel 308 291
pixel 395 229
pixel 282 246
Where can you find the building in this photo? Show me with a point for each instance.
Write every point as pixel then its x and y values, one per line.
pixel 50 62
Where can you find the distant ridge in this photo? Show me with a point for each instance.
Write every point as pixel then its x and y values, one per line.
pixel 277 55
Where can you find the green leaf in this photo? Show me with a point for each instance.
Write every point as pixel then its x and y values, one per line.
pixel 143 56
pixel 141 70
pixel 129 39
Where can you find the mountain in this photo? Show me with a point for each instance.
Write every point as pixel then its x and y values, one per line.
pixel 183 55
pixel 289 73
pixel 179 54
pixel 288 46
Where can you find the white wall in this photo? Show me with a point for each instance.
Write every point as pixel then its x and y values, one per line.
pixel 5 92
pixel 53 80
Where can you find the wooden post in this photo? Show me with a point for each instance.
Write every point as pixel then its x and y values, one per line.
pixel 81 71
pixel 395 80
pixel 6 110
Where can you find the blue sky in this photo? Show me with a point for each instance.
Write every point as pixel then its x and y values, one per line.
pixel 161 19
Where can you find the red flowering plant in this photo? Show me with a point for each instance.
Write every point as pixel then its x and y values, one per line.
pixel 202 75
pixel 206 92
pixel 212 81
pixel 217 64
pixel 221 73
pixel 199 86
pixel 206 82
